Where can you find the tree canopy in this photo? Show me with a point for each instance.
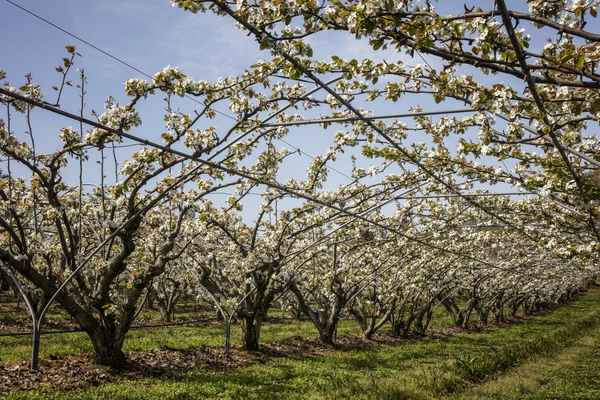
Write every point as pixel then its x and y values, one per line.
pixel 413 224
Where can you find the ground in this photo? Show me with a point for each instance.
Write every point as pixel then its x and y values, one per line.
pixel 74 372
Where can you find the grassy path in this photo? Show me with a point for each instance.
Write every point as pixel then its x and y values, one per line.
pixel 553 356
pixel 573 373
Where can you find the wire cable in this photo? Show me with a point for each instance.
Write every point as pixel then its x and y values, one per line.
pixel 242 174
pixel 142 72
pixel 80 39
pixel 100 50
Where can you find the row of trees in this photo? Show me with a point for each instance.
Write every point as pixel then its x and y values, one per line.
pixel 400 237
pixel 430 253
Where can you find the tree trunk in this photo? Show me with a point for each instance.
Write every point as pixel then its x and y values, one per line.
pixel 418 326
pixel 171 293
pixel 40 302
pixel 252 313
pixel 401 326
pixel 297 311
pixel 166 305
pixel 482 315
pixel 5 282
pixel 375 325
pixel 251 325
pixel 497 311
pixel 326 335
pixel 465 314
pixel 513 307
pixel 108 348
pixel 360 318
pixel 325 322
pixel 368 323
pixel 453 310
pixel 152 296
pixel 111 356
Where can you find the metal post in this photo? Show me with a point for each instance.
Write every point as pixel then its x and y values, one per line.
pixel 227 335
pixel 35 350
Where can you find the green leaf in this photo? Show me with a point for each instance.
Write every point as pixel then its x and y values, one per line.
pixel 264 44
pixel 369 26
pixel 595 106
pixel 377 44
pixel 295 73
pixel 566 58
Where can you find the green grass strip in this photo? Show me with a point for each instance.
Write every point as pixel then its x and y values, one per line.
pixel 422 370
pixel 572 373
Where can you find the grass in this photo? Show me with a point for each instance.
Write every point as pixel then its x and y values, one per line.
pixel 571 373
pixel 177 336
pixel 19 347
pixel 552 356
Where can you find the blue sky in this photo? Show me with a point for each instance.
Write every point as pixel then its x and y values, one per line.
pixel 150 34
pixel 146 34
